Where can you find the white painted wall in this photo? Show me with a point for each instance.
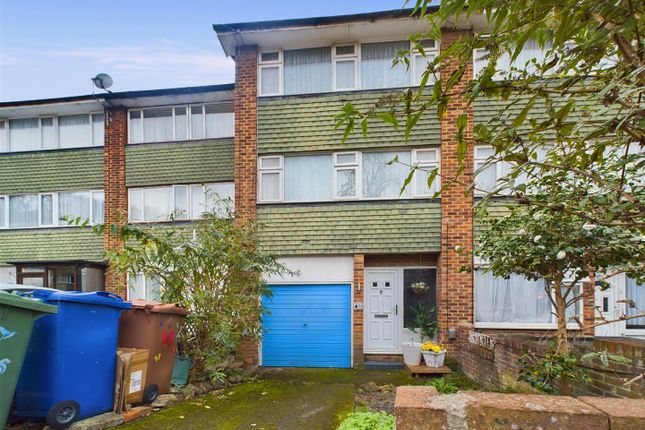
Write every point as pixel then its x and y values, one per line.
pixel 316 270
pixel 7 275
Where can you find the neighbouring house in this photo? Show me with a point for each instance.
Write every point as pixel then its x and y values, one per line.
pixel 332 211
pixel 138 155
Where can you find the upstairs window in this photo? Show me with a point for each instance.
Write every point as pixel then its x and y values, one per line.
pixel 420 60
pixel 270 69
pixel 50 209
pixel 67 131
pixel 344 176
pixel 427 160
pixel 180 202
pixel 376 65
pixel 345 71
pixel 307 71
pixel 179 123
pixel 524 61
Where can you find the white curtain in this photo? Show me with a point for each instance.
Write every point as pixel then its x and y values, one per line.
pixel 157 125
pixel 269 186
pixel 219 123
pixel 24 134
pixel 307 70
pixel 98 202
pixel 48 133
pixel 345 74
pixel 73 205
pixel 157 204
pixel 220 198
pixel 346 182
pixel 181 123
pixel 270 80
pixel 74 131
pixel 2 210
pixel 23 211
pixel 376 65
pixel 136 287
pixel 98 129
pixel 46 209
pixel 181 202
pixel 512 300
pixel 198 201
pixel 307 178
pixel 381 180
pixel 636 293
pixel 4 144
pixel 135 127
pixel 197 122
pixel 135 210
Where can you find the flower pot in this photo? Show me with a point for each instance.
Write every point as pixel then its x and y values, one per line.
pixel 434 359
pixel 181 370
pixel 411 353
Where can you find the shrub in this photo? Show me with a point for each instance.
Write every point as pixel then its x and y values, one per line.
pixel 368 421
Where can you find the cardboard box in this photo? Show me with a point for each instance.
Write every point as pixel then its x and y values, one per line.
pixel 133 376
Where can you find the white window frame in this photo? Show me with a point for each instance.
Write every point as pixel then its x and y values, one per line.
pixel 524 326
pixel 271 170
pixel 5 210
pixel 426 165
pixel 479 159
pixel 416 56
pixel 271 64
pixel 356 166
pixel 191 216
pixel 189 128
pixel 55 213
pixel 5 135
pixel 346 57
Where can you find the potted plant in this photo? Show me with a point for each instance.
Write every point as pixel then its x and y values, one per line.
pixel 423 324
pixel 434 354
pixel 420 288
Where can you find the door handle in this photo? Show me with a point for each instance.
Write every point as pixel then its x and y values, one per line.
pixel 396 309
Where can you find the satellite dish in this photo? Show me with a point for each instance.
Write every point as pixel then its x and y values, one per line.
pixel 102 81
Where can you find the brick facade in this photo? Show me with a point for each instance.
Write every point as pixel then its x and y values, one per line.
pixel 116 194
pixel 245 103
pixel 357 314
pixel 455 289
pixel 246 77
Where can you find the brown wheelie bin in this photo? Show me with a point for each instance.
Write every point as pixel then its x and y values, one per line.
pixel 153 326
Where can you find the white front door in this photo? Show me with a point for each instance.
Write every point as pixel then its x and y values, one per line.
pixel 382 324
pixel 609 306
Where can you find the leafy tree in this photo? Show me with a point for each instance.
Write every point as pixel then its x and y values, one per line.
pixel 213 268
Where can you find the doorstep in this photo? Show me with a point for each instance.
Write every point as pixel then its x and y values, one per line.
pixel 383 365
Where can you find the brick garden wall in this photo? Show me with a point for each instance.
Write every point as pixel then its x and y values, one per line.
pixel 499 367
pixel 357 324
pixel 116 194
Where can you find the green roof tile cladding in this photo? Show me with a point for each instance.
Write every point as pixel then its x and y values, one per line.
pixel 340 228
pixel 65 243
pixel 306 123
pixel 179 162
pixel 78 169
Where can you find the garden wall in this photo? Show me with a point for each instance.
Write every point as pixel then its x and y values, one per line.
pixel 493 361
pixel 419 408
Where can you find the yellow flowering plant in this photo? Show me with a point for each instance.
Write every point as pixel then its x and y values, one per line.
pixel 433 347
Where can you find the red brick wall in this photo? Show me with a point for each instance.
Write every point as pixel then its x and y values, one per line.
pixel 246 132
pixel 455 289
pixel 359 286
pixel 246 155
pixel 116 195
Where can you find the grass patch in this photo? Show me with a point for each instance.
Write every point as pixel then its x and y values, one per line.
pixel 367 420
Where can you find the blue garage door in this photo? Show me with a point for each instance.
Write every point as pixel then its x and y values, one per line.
pixel 307 326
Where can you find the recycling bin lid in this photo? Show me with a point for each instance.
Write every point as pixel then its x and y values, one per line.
pixel 101 298
pixel 162 308
pixel 25 303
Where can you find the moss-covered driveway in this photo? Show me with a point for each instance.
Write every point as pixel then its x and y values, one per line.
pixel 279 399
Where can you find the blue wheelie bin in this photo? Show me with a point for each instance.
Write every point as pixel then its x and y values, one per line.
pixel 70 365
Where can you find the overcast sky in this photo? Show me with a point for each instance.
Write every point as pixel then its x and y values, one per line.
pixel 53 48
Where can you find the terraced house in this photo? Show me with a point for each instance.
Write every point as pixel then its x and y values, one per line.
pixel 334 210
pixel 140 155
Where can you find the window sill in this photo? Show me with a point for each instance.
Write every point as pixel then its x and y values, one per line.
pixel 341 201
pixel 40 227
pixel 524 326
pixel 337 92
pixel 183 141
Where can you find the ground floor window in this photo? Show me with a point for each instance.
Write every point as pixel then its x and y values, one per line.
pixel 514 300
pixel 414 293
pixel 65 276
pixel 636 303
pixel 144 288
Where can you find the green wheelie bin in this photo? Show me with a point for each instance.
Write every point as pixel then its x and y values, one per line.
pixel 17 317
